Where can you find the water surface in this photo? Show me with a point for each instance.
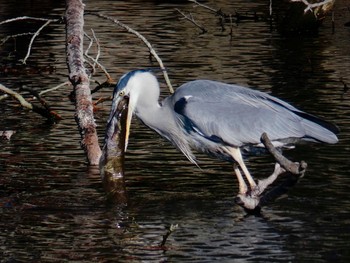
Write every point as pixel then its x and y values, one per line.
pixel 53 207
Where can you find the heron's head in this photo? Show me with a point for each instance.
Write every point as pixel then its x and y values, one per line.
pixel 142 89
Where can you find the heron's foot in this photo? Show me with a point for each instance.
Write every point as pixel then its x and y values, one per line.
pixel 258 196
pixel 248 202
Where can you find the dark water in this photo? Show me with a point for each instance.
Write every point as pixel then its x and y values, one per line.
pixel 53 207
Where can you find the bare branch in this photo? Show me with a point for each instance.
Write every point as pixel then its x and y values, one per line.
pixel 294 168
pixel 101 100
pixel 67 83
pixel 24 18
pixel 17 96
pixel 33 38
pixel 310 6
pixel 87 51
pixel 204 6
pixel 47 22
pixel 98 53
pixel 44 111
pixel 148 44
pixel 5 39
pixel 191 19
pixel 95 60
pixel 254 199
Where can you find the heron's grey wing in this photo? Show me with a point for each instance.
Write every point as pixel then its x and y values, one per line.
pixel 238 116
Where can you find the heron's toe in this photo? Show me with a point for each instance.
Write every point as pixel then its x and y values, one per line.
pixel 247 201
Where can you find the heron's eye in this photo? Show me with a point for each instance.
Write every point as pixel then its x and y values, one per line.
pixel 121 93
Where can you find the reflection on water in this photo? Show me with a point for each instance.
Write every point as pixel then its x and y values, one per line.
pixel 53 207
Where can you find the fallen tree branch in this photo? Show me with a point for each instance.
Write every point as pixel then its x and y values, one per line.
pixel 289 166
pixel 253 200
pixel 148 44
pixel 80 80
pixel 17 96
pixel 46 112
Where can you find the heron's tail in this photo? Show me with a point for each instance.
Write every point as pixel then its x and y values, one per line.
pixel 318 129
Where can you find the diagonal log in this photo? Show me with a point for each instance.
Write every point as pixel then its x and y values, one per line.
pixel 80 80
pixel 289 166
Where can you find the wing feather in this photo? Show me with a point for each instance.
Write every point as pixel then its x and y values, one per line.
pixel 238 115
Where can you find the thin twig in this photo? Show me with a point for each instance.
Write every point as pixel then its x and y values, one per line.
pixel 5 39
pixel 98 53
pixel 86 53
pixel 101 100
pixel 148 44
pixel 33 38
pixel 204 6
pixel 191 19
pixel 47 22
pixel 17 96
pixel 38 97
pixel 24 18
pixel 54 88
pixel 310 6
pixel 95 60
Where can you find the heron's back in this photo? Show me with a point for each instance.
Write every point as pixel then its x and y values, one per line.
pixel 238 116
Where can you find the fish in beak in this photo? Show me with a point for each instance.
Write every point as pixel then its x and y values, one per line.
pixel 118 110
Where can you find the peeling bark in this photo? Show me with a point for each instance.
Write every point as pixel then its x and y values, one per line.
pixel 80 80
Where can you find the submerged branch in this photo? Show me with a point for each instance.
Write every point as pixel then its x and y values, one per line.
pixel 17 96
pixel 44 111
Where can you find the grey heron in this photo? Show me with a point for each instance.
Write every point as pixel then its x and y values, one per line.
pixel 222 120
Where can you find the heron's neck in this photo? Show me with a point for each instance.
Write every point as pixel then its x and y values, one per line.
pixel 149 112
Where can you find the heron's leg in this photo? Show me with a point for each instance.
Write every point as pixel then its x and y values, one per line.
pixel 242 185
pixel 237 156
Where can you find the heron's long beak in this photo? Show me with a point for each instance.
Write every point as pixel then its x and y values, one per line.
pixel 118 111
pixel 128 124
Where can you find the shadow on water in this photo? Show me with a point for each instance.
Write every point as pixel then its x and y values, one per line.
pixel 53 207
